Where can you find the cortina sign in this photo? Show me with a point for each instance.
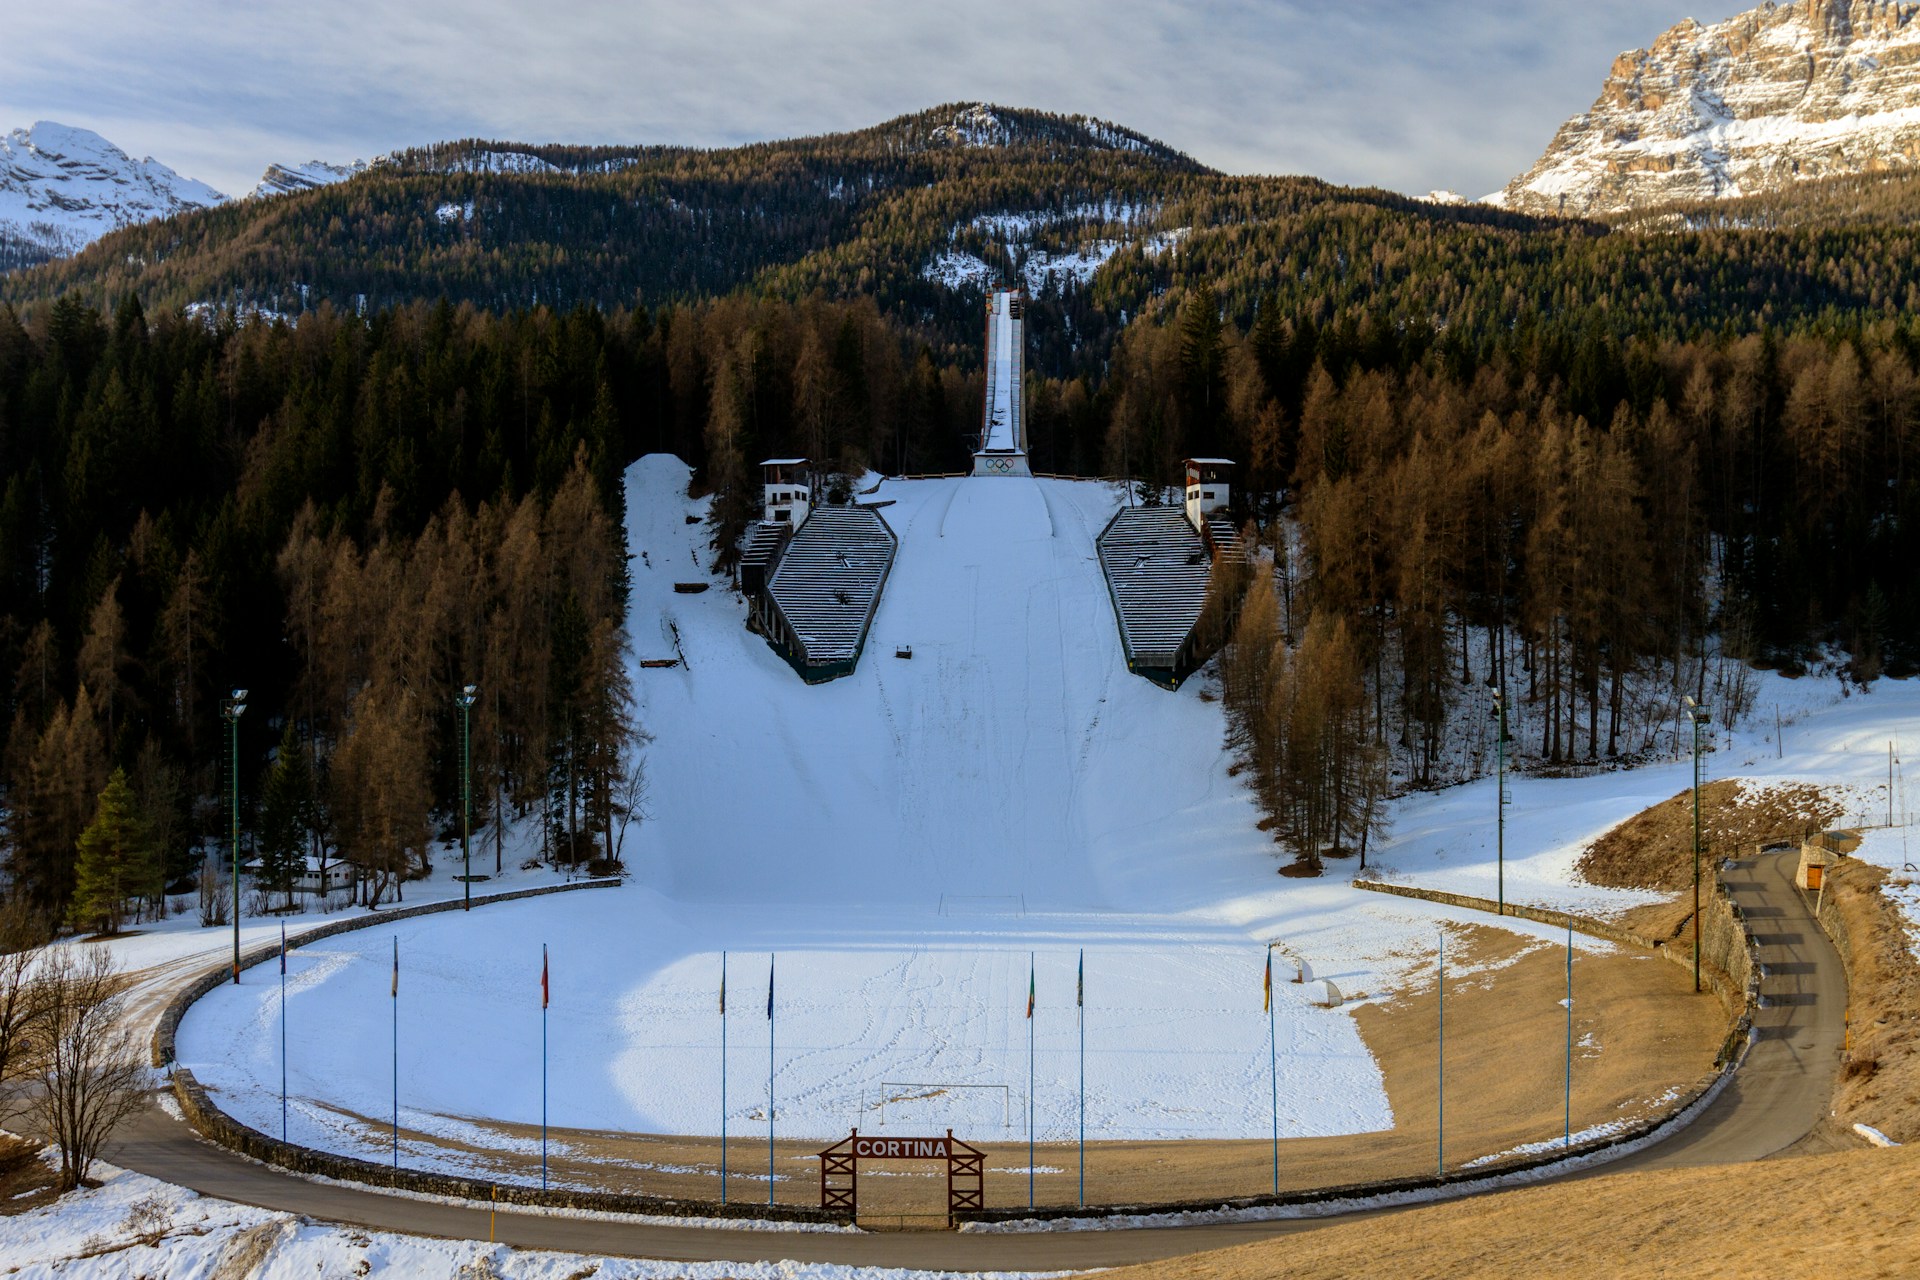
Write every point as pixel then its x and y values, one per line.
pixel 840 1169
pixel 901 1148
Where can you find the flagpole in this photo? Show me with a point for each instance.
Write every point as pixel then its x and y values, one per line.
pixel 723 1077
pixel 1080 1000
pixel 1441 1066
pixel 1030 986
pixel 396 1052
pixel 770 1079
pixel 1569 1095
pixel 1273 1069
pixel 283 1031
pixel 543 1066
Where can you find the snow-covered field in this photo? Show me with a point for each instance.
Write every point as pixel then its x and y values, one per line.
pixel 136 1227
pixel 904 839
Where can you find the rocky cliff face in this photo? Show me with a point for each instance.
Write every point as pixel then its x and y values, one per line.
pixel 61 188
pixel 285 179
pixel 1781 93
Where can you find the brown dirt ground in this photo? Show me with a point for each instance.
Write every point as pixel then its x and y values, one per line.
pixel 1654 848
pixel 1819 1210
pixel 1880 1075
pixel 1505 1043
pixel 1851 1214
pixel 25 1180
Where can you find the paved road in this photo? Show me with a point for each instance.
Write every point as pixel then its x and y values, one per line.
pixel 1785 1087
pixel 1777 1097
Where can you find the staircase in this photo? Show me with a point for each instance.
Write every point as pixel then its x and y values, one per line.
pixel 826 587
pixel 1224 539
pixel 759 552
pixel 1157 569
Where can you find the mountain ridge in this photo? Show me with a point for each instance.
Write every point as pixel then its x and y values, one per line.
pixel 61 193
pixel 1748 106
pixel 61 188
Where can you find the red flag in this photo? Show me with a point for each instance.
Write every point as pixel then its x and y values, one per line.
pixel 543 975
pixel 1267 1003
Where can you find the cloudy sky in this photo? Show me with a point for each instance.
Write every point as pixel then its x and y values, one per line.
pixel 1406 94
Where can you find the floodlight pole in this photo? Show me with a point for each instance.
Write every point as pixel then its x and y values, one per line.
pixel 465 701
pixel 231 710
pixel 1500 799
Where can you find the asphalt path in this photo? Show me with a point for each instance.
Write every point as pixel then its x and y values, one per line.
pixel 1780 1093
pixel 1785 1087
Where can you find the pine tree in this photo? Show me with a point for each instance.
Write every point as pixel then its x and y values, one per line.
pixel 115 860
pixel 284 802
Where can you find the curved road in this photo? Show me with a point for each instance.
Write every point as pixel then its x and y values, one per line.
pixel 1776 1098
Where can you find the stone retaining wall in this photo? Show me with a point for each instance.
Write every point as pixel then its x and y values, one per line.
pixel 168 1026
pixel 1491 1172
pixel 1724 934
pixel 1726 943
pixel 1827 911
pixel 217 1125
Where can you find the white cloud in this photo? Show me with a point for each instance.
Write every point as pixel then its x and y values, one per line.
pixel 1409 95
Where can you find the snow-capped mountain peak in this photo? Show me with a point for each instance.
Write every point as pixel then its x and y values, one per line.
pixel 285 179
pixel 1781 93
pixel 63 187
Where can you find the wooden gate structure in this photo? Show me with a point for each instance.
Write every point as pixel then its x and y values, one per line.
pixel 840 1169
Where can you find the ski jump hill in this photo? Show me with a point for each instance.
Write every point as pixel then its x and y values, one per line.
pixel 1003 433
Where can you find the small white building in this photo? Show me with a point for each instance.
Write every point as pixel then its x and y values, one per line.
pixel 786 491
pixel 314 876
pixel 1208 488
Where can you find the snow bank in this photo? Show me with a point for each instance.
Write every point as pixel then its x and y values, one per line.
pixel 135 1226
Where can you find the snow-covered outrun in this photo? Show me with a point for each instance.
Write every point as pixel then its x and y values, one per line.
pixel 905 839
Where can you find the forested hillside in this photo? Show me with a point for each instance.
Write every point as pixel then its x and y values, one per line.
pixel 1567 458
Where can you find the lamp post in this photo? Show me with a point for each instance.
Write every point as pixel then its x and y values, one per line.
pixel 1500 803
pixel 465 702
pixel 1697 715
pixel 231 709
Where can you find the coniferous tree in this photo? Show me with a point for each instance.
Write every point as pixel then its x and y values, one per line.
pixel 285 808
pixel 115 860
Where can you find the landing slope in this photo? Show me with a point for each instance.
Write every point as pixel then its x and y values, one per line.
pixel 1010 762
